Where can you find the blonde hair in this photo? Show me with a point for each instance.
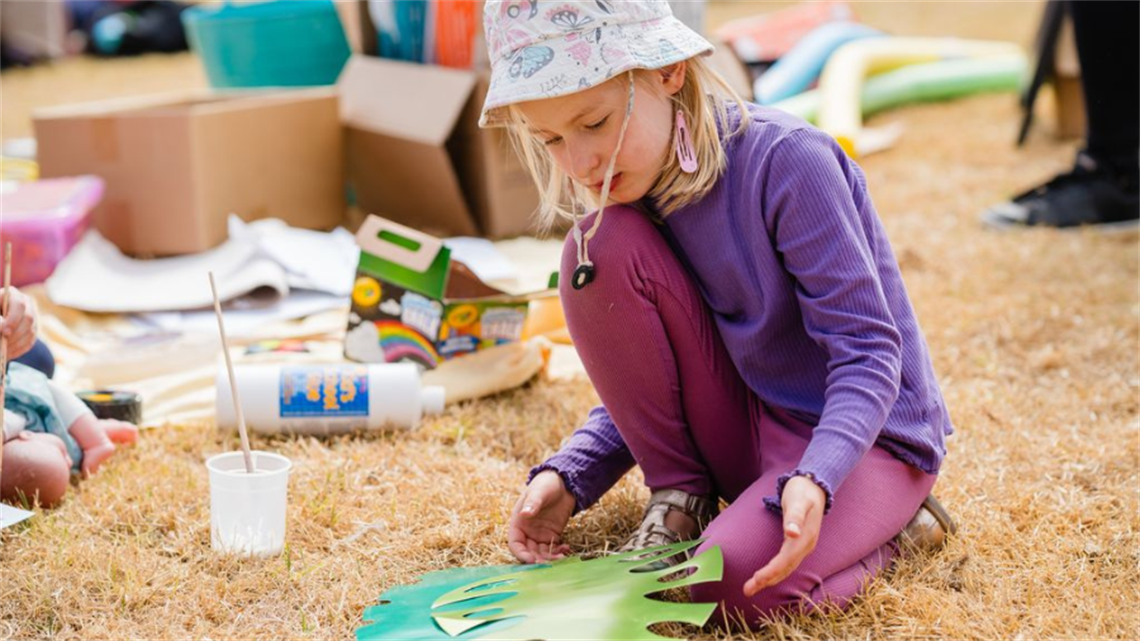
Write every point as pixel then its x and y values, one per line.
pixel 704 99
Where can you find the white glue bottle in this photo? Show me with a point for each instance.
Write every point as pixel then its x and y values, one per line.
pixel 327 399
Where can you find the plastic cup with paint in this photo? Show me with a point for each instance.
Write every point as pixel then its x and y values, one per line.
pixel 247 511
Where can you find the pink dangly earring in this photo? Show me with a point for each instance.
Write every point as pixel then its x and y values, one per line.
pixel 683 143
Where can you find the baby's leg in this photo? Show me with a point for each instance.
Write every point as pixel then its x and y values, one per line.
pixel 92 438
pixel 36 467
pixel 96 437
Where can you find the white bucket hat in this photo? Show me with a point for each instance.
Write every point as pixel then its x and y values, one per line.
pixel 543 49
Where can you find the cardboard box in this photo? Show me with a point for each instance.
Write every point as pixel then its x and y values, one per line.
pixel 36 29
pixel 732 69
pixel 353 23
pixel 416 155
pixel 1068 94
pixel 412 302
pixel 1069 107
pixel 176 166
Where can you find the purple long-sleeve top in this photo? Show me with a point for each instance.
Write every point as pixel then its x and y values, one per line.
pixel 793 261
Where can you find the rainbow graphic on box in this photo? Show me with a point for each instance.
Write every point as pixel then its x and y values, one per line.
pixel 402 342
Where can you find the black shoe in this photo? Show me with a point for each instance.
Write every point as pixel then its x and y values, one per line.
pixel 1088 195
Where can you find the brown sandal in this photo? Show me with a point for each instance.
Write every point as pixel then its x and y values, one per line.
pixel 653 531
pixel 929 528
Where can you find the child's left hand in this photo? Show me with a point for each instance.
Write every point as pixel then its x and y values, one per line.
pixel 803 502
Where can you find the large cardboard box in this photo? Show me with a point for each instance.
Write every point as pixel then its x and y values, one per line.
pixel 176 166
pixel 416 155
pixel 413 302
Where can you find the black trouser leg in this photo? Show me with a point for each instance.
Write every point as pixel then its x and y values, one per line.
pixel 1108 46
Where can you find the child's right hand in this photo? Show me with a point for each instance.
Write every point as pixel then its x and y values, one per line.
pixel 535 531
pixel 19 327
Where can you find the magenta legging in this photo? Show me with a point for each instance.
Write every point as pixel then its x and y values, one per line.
pixel 653 352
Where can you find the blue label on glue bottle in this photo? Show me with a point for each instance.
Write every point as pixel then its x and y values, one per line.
pixel 324 391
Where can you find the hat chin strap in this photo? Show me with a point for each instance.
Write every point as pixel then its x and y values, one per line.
pixel 585 271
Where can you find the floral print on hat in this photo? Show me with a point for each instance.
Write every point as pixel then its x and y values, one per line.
pixel 547 48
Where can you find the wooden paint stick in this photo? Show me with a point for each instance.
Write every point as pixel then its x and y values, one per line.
pixel 233 379
pixel 4 343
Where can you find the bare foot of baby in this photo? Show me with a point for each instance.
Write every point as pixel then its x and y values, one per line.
pixel 119 432
pixel 97 438
pixel 95 457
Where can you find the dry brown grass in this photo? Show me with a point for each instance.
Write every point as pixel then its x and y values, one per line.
pixel 1035 336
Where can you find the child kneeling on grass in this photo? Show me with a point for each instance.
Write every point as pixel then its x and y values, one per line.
pixel 740 312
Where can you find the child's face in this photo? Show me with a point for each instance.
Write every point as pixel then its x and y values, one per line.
pixel 581 130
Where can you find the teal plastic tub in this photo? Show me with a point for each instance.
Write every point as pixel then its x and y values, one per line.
pixel 286 43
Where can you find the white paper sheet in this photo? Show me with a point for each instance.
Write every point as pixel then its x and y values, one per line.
pixel 480 254
pixel 97 277
pixel 242 323
pixel 265 258
pixel 10 516
pixel 316 260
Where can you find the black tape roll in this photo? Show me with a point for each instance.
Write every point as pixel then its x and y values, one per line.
pixel 123 406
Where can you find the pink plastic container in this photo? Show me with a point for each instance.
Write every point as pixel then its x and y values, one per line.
pixel 43 220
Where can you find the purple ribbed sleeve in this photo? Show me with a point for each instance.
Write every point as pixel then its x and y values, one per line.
pixel 827 250
pixel 591 461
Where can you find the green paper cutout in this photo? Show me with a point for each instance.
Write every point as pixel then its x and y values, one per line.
pixel 604 598
pixel 409 615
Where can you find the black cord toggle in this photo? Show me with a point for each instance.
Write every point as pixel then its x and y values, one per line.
pixel 583 276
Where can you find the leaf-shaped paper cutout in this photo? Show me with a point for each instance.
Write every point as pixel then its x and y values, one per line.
pixel 408 614
pixel 603 598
